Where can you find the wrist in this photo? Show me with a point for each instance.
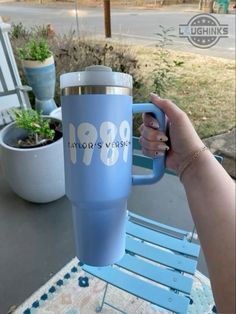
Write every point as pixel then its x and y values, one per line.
pixel 190 167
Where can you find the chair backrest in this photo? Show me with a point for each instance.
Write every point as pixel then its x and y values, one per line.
pixel 146 162
pixel 12 93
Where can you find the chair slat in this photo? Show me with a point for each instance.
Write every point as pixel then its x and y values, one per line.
pixel 156 273
pixel 140 288
pixel 136 143
pixel 1 119
pixel 146 162
pixel 157 224
pixel 175 261
pixel 163 240
pixel 7 118
pixel 142 161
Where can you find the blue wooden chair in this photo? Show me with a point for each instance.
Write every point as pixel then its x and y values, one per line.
pixel 160 260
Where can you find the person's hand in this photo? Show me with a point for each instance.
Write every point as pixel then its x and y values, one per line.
pixel 184 141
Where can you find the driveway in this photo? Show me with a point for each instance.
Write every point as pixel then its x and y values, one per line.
pixel 135 26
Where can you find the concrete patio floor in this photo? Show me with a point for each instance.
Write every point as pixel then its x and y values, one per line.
pixel 36 240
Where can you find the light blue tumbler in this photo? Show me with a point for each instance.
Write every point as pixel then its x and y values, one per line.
pixel 97 113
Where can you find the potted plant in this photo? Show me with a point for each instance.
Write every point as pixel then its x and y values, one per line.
pixel 39 68
pixel 32 156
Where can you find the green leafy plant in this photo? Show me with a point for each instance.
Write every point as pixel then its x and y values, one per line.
pixel 37 127
pixel 164 66
pixel 165 36
pixel 37 50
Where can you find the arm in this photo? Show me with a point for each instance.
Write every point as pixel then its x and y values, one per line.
pixel 211 197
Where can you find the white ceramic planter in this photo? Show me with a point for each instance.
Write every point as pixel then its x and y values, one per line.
pixel 35 174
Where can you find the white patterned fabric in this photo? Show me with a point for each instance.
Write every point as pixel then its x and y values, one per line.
pixel 72 291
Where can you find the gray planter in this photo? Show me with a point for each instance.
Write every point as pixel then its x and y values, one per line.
pixel 35 174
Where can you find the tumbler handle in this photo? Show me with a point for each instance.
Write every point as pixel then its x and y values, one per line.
pixel 158 162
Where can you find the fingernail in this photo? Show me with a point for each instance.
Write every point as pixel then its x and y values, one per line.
pixel 154 124
pixel 162 138
pixel 163 146
pixel 154 95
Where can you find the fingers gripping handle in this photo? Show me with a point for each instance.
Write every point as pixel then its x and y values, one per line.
pixel 158 162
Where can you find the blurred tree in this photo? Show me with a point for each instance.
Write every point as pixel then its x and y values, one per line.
pixel 206 5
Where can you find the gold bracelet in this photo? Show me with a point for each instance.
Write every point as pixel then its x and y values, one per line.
pixel 189 161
